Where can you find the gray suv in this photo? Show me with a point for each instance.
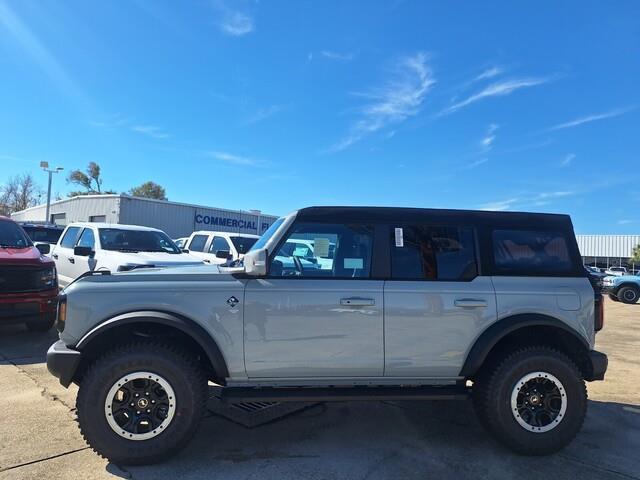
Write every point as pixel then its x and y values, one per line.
pixel 393 303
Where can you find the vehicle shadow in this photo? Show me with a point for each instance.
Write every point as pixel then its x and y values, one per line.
pixel 21 347
pixel 397 440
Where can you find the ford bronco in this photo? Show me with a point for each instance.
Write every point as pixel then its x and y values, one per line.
pixel 401 304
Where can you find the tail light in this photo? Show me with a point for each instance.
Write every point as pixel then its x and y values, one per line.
pixel 599 312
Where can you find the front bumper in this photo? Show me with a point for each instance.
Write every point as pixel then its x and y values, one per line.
pixel 28 307
pixel 597 366
pixel 62 362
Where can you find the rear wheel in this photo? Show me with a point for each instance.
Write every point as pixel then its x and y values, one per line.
pixel 141 403
pixel 534 401
pixel 629 294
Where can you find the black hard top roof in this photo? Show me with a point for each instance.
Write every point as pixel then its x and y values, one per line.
pixel 403 214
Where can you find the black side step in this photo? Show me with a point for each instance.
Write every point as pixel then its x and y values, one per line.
pixel 341 394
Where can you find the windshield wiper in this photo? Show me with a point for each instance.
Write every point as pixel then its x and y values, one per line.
pixel 130 250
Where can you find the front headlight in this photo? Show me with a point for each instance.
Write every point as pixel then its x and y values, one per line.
pixel 48 278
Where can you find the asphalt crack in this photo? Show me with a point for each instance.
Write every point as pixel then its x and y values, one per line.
pixel 598 467
pixel 44 391
pixel 13 467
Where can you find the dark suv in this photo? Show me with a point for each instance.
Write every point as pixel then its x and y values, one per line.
pixel 28 280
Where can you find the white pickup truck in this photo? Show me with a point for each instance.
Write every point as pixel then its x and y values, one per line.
pixel 85 247
pixel 219 247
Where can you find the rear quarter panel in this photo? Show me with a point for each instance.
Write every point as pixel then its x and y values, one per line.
pixel 568 299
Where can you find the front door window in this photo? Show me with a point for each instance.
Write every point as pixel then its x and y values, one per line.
pixel 315 250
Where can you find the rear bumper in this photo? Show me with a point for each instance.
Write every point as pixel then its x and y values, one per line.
pixel 597 362
pixel 62 362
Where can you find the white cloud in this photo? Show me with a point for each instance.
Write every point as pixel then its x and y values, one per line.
pixel 566 161
pixel 496 90
pixel 487 142
pixel 233 22
pixel 525 201
pixel 592 118
pixel 500 205
pixel 264 113
pixel 395 101
pixel 475 163
pixel 232 159
pixel 150 130
pixel 342 57
pixel 489 73
pixel 626 221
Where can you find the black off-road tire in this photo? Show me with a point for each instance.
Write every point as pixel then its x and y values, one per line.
pixel 40 326
pixel 629 294
pixel 613 297
pixel 492 400
pixel 177 367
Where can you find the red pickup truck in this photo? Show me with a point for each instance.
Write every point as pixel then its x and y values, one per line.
pixel 28 280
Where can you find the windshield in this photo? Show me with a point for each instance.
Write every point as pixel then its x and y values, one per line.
pixel 136 241
pixel 12 236
pixel 243 244
pixel 43 234
pixel 262 241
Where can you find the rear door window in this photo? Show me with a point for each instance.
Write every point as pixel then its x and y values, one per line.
pixel 531 252
pixel 70 237
pixel 432 252
pixel 198 243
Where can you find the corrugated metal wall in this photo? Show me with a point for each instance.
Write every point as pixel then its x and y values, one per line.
pixel 607 245
pixel 176 219
pixel 179 220
pixel 76 209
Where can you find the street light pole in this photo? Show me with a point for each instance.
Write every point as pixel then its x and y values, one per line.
pixel 45 167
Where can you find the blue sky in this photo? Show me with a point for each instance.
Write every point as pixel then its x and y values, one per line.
pixel 277 105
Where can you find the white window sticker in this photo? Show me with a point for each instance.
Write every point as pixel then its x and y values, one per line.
pixel 353 263
pixel 399 238
pixel 321 247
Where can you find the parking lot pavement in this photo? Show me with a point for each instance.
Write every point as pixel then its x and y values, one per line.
pixel 39 437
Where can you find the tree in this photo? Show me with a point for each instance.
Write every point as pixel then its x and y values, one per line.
pixel 149 190
pixel 635 255
pixel 90 181
pixel 18 193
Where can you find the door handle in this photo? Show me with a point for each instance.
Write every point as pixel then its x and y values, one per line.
pixel 357 302
pixel 206 260
pixel 55 255
pixel 72 260
pixel 470 303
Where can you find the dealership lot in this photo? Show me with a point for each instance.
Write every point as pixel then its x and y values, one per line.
pixel 39 437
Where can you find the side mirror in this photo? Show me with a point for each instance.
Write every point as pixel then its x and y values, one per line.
pixel 255 262
pixel 43 248
pixel 223 254
pixel 83 251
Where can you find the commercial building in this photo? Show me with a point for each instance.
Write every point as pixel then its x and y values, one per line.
pixel 608 250
pixel 176 219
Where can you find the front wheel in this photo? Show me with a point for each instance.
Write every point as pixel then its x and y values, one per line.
pixel 534 401
pixel 629 294
pixel 140 403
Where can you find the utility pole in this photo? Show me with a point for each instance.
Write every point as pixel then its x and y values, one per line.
pixel 45 167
